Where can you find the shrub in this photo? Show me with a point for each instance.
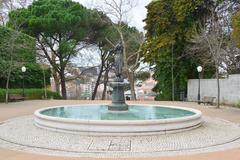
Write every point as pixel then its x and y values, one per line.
pixel 31 94
pixel 237 104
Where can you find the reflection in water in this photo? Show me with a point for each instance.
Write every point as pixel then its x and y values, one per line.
pixel 100 112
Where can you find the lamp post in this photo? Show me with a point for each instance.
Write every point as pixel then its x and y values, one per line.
pixel 199 69
pixel 23 75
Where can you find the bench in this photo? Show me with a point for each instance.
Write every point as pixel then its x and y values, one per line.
pixel 15 97
pixel 208 100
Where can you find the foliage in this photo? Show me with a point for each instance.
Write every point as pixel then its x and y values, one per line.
pixel 134 39
pixel 33 77
pixel 31 94
pixel 236 28
pixel 142 75
pixel 132 53
pixel 235 58
pixel 104 33
pixel 108 37
pixel 237 104
pixel 170 21
pixel 169 24
pixel 214 38
pixel 61 28
pixel 23 48
pixel 23 53
pixel 185 70
pixel 51 17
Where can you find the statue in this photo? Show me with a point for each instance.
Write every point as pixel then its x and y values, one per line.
pixel 118 98
pixel 119 61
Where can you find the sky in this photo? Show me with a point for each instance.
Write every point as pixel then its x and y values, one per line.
pixel 137 14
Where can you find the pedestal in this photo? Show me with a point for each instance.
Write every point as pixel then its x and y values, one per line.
pixel 118 98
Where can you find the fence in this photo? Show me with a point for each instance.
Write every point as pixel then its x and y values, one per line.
pixel 229 89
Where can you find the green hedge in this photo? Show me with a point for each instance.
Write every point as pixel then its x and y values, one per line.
pixel 31 94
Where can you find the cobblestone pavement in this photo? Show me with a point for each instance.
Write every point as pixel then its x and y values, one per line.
pixel 223 143
pixel 213 135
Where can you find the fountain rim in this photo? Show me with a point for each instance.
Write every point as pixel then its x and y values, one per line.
pixel 198 114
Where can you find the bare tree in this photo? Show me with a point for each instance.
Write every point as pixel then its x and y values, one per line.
pixel 8 5
pixel 119 12
pixel 212 41
pixel 232 58
pixel 211 38
pixel 108 67
pixel 105 56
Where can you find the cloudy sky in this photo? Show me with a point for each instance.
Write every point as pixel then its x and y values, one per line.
pixel 137 14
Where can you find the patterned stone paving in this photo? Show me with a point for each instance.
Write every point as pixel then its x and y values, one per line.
pixel 117 144
pixel 213 135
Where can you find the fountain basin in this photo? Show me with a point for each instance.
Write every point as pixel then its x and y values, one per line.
pixel 97 120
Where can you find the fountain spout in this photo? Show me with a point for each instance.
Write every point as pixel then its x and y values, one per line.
pixel 118 98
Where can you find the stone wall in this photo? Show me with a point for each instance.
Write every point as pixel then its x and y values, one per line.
pixel 229 89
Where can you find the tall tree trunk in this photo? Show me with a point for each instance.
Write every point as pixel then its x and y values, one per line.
pixel 8 79
pixel 105 81
pixel 132 86
pixel 55 75
pixel 63 83
pixel 7 85
pixel 44 84
pixel 172 72
pixel 97 83
pixel 56 81
pixel 218 87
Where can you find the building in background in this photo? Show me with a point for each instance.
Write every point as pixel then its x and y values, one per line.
pixel 144 89
pixel 81 82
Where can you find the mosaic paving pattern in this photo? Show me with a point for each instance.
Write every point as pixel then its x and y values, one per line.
pixel 213 135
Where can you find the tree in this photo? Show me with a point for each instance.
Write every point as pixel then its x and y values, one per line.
pixel 34 76
pixel 168 26
pixel 16 49
pixel 133 40
pixel 108 66
pixel 107 43
pixel 61 28
pixel 103 38
pixel 214 38
pixel 234 65
pixel 236 28
pixel 104 55
pixel 143 75
pixel 118 11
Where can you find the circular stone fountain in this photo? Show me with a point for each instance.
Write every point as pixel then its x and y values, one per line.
pixel 97 120
pixel 118 118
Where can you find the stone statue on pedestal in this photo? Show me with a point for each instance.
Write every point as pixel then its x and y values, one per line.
pixel 119 61
pixel 118 98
